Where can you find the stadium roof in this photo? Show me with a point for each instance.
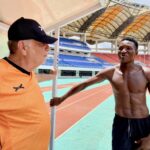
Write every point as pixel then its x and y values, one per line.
pixel 120 18
pixel 50 13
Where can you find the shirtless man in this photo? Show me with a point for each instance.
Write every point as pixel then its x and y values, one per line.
pixel 129 82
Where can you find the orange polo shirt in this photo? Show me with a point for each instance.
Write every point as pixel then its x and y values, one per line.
pixel 24 117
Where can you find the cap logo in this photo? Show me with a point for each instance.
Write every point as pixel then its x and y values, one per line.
pixel 41 28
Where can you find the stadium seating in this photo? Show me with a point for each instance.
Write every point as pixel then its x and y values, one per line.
pixel 76 61
pixel 113 58
pixel 72 44
pixel 79 61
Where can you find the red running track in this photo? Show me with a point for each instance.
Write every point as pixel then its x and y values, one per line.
pixel 78 105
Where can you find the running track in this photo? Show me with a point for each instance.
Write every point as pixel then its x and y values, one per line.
pixel 75 110
pixel 78 105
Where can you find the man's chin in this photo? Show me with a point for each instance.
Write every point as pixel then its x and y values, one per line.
pixel 123 61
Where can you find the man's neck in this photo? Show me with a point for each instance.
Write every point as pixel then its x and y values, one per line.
pixel 16 66
pixel 126 67
pixel 19 62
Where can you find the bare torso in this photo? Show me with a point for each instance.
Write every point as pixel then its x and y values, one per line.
pixel 129 90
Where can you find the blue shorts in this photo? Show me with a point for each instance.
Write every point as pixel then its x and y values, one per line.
pixel 126 131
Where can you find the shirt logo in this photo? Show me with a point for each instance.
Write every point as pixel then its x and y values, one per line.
pixel 18 87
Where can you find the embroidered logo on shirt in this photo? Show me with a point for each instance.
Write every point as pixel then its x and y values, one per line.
pixel 18 87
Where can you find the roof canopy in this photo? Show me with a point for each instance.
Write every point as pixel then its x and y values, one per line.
pixel 114 21
pixel 50 13
pixel 98 19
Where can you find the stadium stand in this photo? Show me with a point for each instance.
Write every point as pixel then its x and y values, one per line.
pixel 113 58
pixel 75 55
pixel 73 44
pixel 79 61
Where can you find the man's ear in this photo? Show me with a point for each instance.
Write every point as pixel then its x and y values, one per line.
pixel 22 48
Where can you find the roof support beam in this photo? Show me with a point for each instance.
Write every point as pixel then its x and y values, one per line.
pixel 75 17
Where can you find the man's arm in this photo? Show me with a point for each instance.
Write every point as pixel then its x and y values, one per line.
pixel 147 74
pixel 102 75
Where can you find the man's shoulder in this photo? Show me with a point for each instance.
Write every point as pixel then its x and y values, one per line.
pixel 108 72
pixel 115 67
pixel 2 63
pixel 108 69
pixel 146 71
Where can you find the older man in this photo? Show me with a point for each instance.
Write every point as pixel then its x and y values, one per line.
pixel 24 118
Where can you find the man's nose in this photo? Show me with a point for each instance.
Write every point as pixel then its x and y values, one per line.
pixel 124 50
pixel 47 48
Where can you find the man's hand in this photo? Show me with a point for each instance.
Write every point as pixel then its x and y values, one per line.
pixel 55 101
pixel 53 73
pixel 144 143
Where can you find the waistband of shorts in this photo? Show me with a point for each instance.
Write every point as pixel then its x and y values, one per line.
pixel 120 117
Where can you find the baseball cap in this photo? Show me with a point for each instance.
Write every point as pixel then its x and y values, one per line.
pixel 23 29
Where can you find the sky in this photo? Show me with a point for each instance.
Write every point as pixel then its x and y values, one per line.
pixel 145 2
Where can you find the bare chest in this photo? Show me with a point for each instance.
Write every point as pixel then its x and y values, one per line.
pixel 129 82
